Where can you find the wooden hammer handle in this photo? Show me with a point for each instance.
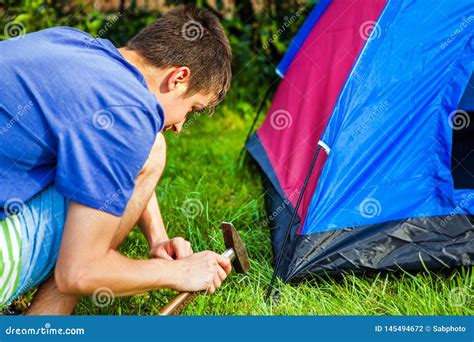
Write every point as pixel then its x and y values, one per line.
pixel 178 303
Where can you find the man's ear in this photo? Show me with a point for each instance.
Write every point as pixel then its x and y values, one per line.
pixel 178 78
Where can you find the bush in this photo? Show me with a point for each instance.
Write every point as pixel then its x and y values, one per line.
pixel 259 39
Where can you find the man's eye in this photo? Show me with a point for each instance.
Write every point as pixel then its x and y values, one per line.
pixel 196 110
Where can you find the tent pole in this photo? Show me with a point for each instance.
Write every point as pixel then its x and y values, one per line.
pixel 255 120
pixel 257 115
pixel 293 216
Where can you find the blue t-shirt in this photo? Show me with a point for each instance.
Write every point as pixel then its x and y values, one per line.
pixel 74 113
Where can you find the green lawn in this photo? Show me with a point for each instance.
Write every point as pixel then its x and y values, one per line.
pixel 202 178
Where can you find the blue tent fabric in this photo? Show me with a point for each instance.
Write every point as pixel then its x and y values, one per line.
pixel 391 130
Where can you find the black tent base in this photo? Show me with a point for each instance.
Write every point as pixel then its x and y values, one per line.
pixel 279 212
pixel 414 244
pixel 372 275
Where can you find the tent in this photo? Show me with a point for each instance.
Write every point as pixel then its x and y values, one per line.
pixel 358 141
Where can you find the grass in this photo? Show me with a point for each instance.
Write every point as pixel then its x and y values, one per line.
pixel 202 178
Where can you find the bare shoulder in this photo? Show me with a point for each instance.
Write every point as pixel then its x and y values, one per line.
pixel 157 158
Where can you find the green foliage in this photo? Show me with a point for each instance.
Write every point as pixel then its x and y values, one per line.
pixel 35 15
pixel 117 26
pixel 259 39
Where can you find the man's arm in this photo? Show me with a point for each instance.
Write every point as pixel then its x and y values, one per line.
pixel 86 261
pixel 152 225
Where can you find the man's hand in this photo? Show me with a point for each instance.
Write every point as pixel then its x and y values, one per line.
pixel 204 271
pixel 176 248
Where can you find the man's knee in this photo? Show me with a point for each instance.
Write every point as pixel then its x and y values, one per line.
pixel 156 161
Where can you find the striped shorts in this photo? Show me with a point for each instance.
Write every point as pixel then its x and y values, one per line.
pixel 29 243
pixel 10 257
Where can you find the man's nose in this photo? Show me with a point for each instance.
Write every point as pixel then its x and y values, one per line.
pixel 177 127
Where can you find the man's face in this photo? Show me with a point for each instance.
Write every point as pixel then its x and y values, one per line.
pixel 177 108
pixel 170 87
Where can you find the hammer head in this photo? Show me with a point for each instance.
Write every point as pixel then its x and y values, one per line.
pixel 232 240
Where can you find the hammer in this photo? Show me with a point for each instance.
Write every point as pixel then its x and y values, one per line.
pixel 237 254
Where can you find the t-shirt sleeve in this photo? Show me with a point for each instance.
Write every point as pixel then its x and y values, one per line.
pixel 100 155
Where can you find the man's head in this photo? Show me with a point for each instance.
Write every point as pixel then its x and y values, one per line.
pixel 186 60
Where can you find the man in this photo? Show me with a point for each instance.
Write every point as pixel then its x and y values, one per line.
pixel 81 152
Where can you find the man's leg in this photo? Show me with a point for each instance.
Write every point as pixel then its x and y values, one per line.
pixel 48 299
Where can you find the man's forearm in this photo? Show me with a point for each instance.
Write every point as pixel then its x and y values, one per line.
pixel 87 261
pixel 122 275
pixel 151 223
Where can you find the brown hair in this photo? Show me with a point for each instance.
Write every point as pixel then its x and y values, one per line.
pixel 192 37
